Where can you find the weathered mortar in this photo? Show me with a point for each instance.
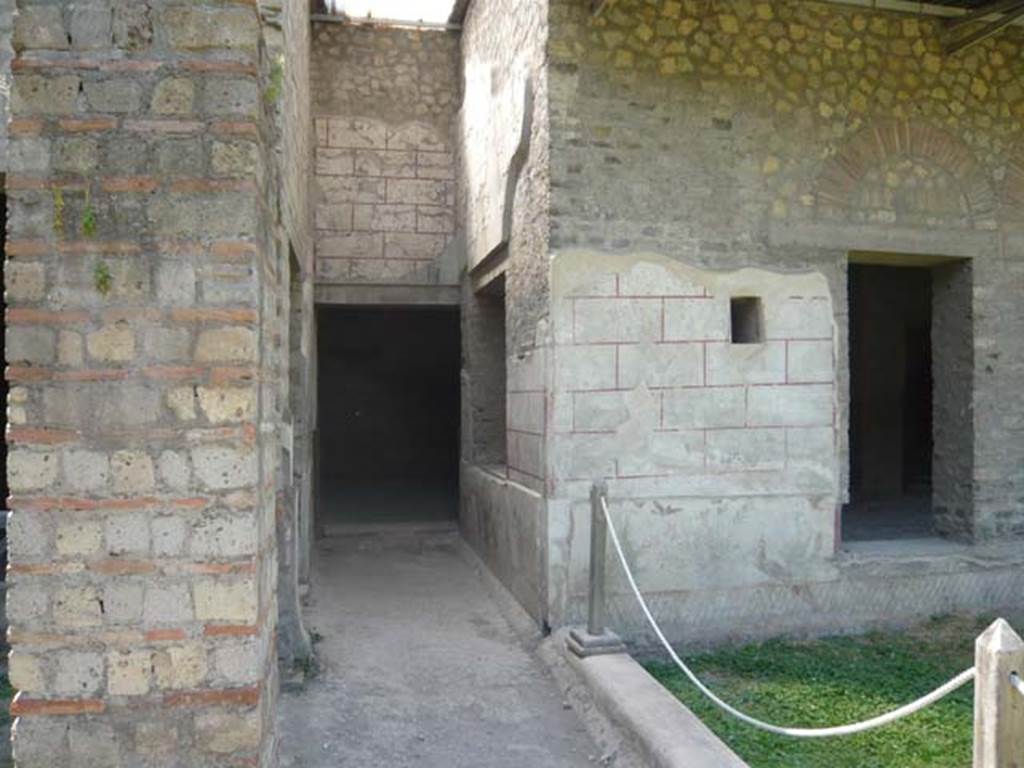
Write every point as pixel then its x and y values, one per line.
pixel 503 45
pixel 810 130
pixel 143 349
pixel 710 137
pixel 384 102
pixel 287 38
pixel 6 54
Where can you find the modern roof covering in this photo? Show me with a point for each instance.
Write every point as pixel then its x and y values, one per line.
pixel 431 11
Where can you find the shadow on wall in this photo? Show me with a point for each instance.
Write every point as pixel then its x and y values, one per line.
pixel 389 414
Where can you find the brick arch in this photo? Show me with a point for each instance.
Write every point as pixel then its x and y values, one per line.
pixel 886 144
pixel 1013 191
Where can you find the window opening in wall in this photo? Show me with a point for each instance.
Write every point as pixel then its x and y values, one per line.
pixel 747 320
pixel 907 329
pixel 388 415
pixel 488 373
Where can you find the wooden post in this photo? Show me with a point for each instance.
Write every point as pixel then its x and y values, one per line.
pixel 598 550
pixel 998 706
pixel 596 639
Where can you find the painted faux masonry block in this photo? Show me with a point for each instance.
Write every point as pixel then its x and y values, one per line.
pixel 384 189
pixel 142 567
pixel 721 456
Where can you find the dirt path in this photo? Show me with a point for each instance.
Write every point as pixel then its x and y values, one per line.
pixel 420 668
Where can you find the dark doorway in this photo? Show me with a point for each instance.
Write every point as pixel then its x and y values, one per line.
pixel 388 415
pixel 890 403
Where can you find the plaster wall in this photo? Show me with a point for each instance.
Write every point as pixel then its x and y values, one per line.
pixel 503 199
pixel 701 150
pixel 383 103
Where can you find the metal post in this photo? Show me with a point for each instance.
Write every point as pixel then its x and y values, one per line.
pixel 597 640
pixel 998 704
pixel 598 550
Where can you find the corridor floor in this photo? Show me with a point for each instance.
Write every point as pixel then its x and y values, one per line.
pixel 419 667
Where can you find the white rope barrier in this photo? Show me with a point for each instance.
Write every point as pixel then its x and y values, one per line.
pixel 806 733
pixel 1017 683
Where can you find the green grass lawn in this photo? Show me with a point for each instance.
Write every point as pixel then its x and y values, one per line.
pixel 835 681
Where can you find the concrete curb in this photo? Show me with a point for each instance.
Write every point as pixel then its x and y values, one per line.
pixel 669 735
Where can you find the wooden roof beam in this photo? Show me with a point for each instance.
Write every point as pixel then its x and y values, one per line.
pixel 1012 10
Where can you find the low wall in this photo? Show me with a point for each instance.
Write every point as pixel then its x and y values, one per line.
pixel 723 461
pixel 504 523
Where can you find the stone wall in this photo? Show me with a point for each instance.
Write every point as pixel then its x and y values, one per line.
pixel 384 102
pixel 143 350
pixel 6 54
pixel 708 137
pixel 503 203
pixel 286 35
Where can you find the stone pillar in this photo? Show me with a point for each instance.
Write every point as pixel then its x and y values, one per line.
pixel 142 608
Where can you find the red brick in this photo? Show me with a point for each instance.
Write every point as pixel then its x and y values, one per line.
pixel 172 373
pixel 26 373
pixel 77 504
pixel 129 184
pixel 26 182
pixel 24 126
pixel 239 697
pixel 88 124
pixel 44 317
pixel 27 248
pixel 237 128
pixel 228 374
pixel 42 569
pixel 22 64
pixel 162 635
pixel 40 436
pixel 53 707
pixel 94 374
pixel 14 373
pixel 131 65
pixel 193 503
pixel 118 247
pixel 122 567
pixel 231 630
pixel 131 315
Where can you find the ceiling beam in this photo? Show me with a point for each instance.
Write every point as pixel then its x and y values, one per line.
pixel 980 13
pixel 1013 13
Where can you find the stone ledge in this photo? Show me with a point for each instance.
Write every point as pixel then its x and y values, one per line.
pixel 667 732
pixel 432 295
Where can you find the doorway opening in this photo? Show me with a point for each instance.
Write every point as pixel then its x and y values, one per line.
pixel 388 415
pixel 910 376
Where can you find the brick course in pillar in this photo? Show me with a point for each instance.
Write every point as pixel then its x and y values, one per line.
pixel 141 600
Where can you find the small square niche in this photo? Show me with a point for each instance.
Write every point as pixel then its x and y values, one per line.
pixel 747 323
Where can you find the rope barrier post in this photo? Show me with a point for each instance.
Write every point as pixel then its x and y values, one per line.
pixel 597 639
pixel 598 550
pixel 998 706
